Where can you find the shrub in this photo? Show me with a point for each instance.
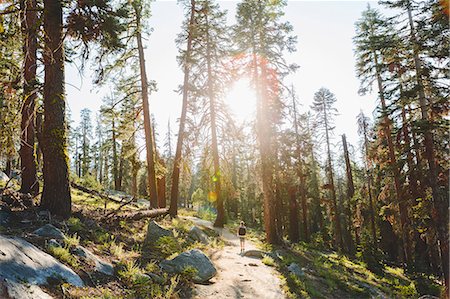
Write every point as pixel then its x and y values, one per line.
pixel 72 241
pixel 63 254
pixel 90 181
pixel 167 245
pixel 370 255
pixel 116 250
pixel 75 224
pixel 129 272
pixel 267 260
pixel 189 272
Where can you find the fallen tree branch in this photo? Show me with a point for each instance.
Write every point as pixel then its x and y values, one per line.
pixel 94 192
pixel 118 209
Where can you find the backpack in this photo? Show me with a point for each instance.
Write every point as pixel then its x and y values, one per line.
pixel 242 231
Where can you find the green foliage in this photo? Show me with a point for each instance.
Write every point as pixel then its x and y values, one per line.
pixel 144 288
pixel 90 181
pixel 370 254
pixel 129 271
pixel 167 245
pixel 206 213
pixel 63 254
pixel 75 224
pixel 151 267
pixel 189 272
pixel 72 241
pixel 116 250
pixel 267 260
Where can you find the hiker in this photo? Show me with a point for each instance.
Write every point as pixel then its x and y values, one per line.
pixel 242 230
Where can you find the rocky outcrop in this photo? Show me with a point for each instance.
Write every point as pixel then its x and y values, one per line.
pixel 14 290
pixel 196 234
pixel 154 232
pixel 254 253
pixel 49 231
pixel 296 270
pixel 90 258
pixel 196 259
pixel 23 266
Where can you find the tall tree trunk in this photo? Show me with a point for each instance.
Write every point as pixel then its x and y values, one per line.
pixel 56 193
pixel 173 209
pixel 115 158
pixel 28 166
pixel 220 219
pixel 402 205
pixel 301 176
pixel 161 182
pixel 150 150
pixel 265 134
pixel 369 188
pixel 120 176
pixel 293 216
pixel 439 201
pixel 336 216
pixel 350 189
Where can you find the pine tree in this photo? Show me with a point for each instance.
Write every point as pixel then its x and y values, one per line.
pixel 323 107
pixel 29 182
pixel 261 38
pixel 373 37
pixel 185 61
pixel 56 192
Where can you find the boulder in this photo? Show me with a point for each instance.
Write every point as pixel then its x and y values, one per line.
pixel 3 178
pixel 254 253
pixel 100 265
pixel 193 258
pixel 49 231
pixel 23 262
pixel 196 234
pixel 11 289
pixel 154 232
pixel 5 217
pixel 53 243
pixel 296 270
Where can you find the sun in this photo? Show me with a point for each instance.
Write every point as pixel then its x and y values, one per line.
pixel 241 99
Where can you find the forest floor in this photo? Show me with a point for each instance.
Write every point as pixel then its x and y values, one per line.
pixel 238 276
pixel 324 273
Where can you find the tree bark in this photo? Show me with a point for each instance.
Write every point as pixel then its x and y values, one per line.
pixel 56 193
pixel 293 216
pixel 149 142
pixel 29 183
pixel 402 205
pixel 115 158
pixel 350 186
pixel 301 177
pixel 265 139
pixel 174 192
pixel 336 216
pixel 220 218
pixel 369 188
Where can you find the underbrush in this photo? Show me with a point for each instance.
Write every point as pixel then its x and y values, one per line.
pixel 327 274
pixel 136 265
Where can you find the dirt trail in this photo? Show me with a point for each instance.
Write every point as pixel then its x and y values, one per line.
pixel 237 276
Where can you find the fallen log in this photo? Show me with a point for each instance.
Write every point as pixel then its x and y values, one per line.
pixel 94 192
pixel 138 215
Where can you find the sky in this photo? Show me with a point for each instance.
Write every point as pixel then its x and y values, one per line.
pixel 324 53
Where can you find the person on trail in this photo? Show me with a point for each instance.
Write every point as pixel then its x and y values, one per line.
pixel 242 230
